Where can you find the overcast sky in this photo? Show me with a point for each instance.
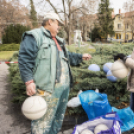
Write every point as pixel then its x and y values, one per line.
pixel 116 4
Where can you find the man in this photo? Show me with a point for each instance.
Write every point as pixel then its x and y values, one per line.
pixel 44 65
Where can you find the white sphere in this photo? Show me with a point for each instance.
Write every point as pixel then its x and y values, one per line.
pixel 129 56
pixel 107 66
pixel 34 107
pixel 111 77
pixel 86 131
pixel 94 67
pixel 99 128
pixel 119 69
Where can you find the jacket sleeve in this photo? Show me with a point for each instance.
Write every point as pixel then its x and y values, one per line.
pixel 74 58
pixel 130 63
pixel 27 54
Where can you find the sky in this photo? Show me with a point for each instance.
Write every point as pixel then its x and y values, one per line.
pixel 116 4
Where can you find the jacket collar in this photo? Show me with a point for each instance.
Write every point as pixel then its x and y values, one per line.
pixel 48 34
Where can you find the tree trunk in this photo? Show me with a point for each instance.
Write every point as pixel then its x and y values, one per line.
pixel 84 35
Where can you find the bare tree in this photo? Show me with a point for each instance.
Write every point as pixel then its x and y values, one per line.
pixel 68 8
pixel 129 16
pixel 13 13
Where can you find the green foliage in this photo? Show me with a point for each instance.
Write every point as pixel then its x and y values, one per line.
pixel 61 32
pixel 105 18
pixel 13 33
pixel 33 15
pixel 83 78
pixel 95 33
pixel 18 87
pixel 9 47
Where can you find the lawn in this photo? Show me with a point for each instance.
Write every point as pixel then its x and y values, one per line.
pixel 5 55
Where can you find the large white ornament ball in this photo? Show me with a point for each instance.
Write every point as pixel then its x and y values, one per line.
pixel 119 69
pixel 94 67
pixel 99 128
pixel 107 66
pixel 111 77
pixel 129 56
pixel 86 131
pixel 34 107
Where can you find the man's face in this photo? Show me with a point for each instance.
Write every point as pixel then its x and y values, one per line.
pixel 54 27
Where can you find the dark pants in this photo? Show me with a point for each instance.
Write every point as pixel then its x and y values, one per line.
pixel 132 101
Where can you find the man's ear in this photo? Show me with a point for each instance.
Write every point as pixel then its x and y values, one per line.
pixel 49 22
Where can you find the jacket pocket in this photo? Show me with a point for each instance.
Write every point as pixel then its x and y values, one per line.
pixel 42 77
pixel 42 73
pixel 44 53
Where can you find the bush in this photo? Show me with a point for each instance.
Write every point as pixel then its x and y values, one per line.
pixel 13 33
pixel 84 79
pixel 9 47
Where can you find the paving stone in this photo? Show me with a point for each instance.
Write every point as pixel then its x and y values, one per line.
pixel 60 133
pixel 69 131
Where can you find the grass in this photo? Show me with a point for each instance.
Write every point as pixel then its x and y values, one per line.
pixel 83 49
pixel 5 55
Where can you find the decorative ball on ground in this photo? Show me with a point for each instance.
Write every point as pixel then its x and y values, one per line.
pixel 99 128
pixel 107 66
pixel 86 131
pixel 111 77
pixel 119 69
pixel 34 107
pixel 129 56
pixel 94 67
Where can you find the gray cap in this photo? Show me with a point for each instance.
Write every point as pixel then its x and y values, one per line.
pixel 53 16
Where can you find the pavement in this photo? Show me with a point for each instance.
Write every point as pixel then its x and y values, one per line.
pixel 11 119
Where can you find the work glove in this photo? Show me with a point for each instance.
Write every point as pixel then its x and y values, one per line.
pixel 120 56
pixel 30 89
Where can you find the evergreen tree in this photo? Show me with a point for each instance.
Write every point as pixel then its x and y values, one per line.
pixel 13 33
pixel 95 33
pixel 33 15
pixel 105 18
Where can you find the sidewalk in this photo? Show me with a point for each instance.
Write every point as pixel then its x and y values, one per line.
pixel 11 119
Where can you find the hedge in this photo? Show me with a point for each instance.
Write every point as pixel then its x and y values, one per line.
pixel 9 47
pixel 84 79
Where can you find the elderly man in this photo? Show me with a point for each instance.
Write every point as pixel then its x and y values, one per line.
pixel 44 65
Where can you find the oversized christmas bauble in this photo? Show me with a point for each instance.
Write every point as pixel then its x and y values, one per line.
pixel 87 131
pixel 119 69
pixel 34 107
pixel 107 66
pixel 129 56
pixel 99 128
pixel 111 77
pixel 94 67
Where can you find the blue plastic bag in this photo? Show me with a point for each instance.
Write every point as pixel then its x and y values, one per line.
pixel 126 115
pixel 95 104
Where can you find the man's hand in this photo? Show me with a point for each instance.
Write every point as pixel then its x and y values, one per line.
pixel 30 89
pixel 86 56
pixel 120 56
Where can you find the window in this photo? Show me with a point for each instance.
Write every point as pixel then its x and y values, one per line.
pixel 126 26
pixel 119 26
pixel 127 36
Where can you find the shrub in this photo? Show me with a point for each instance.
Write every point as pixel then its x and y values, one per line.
pixel 13 33
pixel 9 47
pixel 84 79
